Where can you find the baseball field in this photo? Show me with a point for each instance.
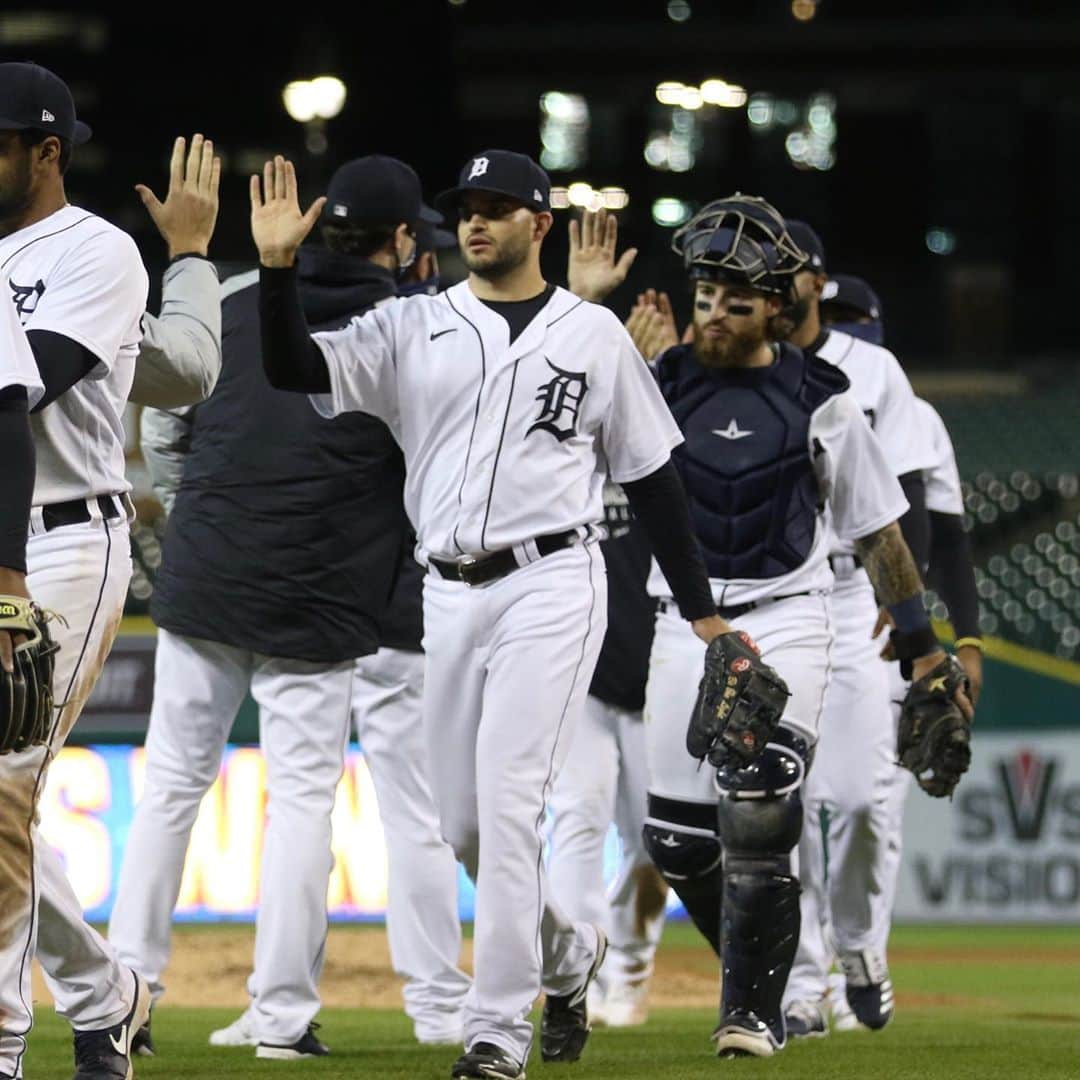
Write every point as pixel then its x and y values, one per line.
pixel 972 1002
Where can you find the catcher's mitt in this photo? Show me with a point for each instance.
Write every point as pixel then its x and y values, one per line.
pixel 26 698
pixel 934 740
pixel 739 703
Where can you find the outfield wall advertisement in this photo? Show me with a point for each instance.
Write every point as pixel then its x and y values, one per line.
pixel 1007 848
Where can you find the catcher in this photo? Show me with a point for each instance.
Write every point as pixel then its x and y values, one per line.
pixel 775 447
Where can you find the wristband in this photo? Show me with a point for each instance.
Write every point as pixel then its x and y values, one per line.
pixel 911 646
pixel 909 616
pixel 968 643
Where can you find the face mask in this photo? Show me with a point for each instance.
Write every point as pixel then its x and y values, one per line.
pixel 420 288
pixel 873 332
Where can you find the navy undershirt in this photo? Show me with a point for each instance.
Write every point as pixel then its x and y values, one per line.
pixel 519 313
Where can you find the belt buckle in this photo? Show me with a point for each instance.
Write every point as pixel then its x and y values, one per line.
pixel 464 567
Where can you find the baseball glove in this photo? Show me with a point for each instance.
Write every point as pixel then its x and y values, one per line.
pixel 934 740
pixel 26 698
pixel 739 704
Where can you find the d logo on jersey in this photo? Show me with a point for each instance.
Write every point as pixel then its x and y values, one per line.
pixel 479 167
pixel 560 401
pixel 26 297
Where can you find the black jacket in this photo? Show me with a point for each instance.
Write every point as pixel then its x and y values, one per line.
pixel 287 532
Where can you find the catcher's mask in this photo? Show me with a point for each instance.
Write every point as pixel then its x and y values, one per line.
pixel 744 240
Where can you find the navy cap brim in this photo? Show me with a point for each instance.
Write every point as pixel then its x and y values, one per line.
pixel 80 135
pixel 432 217
pixel 447 201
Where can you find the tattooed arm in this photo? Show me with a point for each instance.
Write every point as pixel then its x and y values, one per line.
pixel 892 571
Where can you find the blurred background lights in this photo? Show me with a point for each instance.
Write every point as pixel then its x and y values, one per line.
pixel 584 196
pixel 811 145
pixel 761 111
pixel 940 241
pixel 670 212
pixel 564 130
pixel 309 99
pixel 678 11
pixel 716 92
pixel 804 10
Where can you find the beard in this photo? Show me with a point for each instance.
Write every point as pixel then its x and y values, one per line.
pixel 726 352
pixel 16 196
pixel 497 261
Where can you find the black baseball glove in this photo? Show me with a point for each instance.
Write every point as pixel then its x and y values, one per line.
pixel 26 698
pixel 739 703
pixel 934 740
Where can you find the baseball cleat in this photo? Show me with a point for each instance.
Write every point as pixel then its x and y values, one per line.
pixel 869 989
pixel 841 1018
pixel 744 1035
pixel 564 1025
pixel 142 1044
pixel 305 1047
pixel 488 1061
pixel 804 1019
pixel 105 1054
pixel 625 1005
pixel 241 1032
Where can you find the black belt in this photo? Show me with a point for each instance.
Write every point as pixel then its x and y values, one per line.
pixel 77 512
pixel 733 611
pixel 498 564
pixel 836 560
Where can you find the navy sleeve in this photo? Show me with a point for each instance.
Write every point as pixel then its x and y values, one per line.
pixel 291 360
pixel 952 572
pixel 17 454
pixel 61 362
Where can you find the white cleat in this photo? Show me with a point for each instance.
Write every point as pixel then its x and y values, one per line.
pixel 241 1032
pixel 627 1003
pixel 744 1035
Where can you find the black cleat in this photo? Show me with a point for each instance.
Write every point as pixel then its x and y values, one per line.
pixel 805 1020
pixel 304 1047
pixel 869 989
pixel 106 1054
pixel 742 1034
pixel 143 1042
pixel 488 1061
pixel 564 1025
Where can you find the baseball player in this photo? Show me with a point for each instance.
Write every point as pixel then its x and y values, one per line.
pixel 79 289
pixel 851 305
pixel 856 754
pixel 772 437
pixel 325 499
pixel 511 399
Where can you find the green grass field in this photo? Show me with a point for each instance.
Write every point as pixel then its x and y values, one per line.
pixel 973 1002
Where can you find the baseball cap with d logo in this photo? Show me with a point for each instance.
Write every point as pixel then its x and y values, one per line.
pixel 33 97
pixel 500 172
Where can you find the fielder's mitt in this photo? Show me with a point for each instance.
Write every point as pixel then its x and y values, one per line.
pixel 934 740
pixel 26 699
pixel 739 703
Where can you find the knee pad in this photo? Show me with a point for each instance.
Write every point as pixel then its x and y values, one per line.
pixel 759 809
pixel 681 839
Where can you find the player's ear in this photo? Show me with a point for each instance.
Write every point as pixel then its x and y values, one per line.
pixel 773 306
pixel 819 284
pixel 542 222
pixel 48 149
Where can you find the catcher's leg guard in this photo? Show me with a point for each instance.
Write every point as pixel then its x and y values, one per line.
pixel 681 840
pixel 760 818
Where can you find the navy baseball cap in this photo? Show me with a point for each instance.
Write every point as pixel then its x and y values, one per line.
pixel 852 292
pixel 33 97
pixel 377 189
pixel 807 240
pixel 500 172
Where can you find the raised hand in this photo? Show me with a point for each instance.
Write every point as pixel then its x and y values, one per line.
pixel 592 271
pixel 277 224
pixel 651 326
pixel 187 217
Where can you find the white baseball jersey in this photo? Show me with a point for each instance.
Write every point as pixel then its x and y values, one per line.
pixel 884 394
pixel 17 366
pixel 942 479
pixel 860 494
pixel 482 421
pixel 75 274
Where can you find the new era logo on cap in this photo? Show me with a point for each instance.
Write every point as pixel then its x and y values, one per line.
pixel 47 116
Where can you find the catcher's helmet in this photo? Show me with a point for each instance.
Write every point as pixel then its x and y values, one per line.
pixel 742 239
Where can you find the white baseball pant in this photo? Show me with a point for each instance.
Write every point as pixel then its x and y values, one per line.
pixel 303 728
pixel 82 573
pixel 508 670
pixel 422 921
pixel 605 779
pixel 847 814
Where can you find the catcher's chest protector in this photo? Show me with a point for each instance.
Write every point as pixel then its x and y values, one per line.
pixel 746 462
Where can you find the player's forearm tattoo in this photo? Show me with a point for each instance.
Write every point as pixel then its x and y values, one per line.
pixel 888 561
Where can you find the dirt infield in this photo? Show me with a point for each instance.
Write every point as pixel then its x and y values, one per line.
pixel 210 965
